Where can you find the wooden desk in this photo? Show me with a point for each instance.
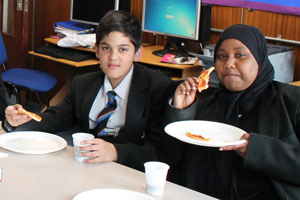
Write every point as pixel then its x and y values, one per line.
pixel 147 58
pixel 182 70
pixel 85 63
pixel 297 83
pixel 57 176
pixel 71 68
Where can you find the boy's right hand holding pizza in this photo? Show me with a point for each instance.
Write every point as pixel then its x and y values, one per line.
pixel 13 117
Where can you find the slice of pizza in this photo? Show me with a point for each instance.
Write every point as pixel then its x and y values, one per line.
pixel 204 78
pixel 198 137
pixel 30 114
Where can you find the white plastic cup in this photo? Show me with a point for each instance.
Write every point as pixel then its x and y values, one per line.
pixel 156 174
pixel 77 138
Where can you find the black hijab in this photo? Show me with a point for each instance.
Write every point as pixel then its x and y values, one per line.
pixel 231 104
pixel 219 179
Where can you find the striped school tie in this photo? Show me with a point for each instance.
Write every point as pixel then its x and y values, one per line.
pixel 104 116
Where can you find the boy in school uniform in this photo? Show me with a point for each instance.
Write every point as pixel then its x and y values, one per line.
pixel 131 134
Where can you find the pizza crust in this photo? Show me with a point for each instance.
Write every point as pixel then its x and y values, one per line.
pixel 30 114
pixel 198 137
pixel 204 79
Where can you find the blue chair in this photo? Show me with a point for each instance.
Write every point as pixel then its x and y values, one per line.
pixel 25 79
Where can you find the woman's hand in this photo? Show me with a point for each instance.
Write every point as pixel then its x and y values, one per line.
pixel 98 151
pixel 185 93
pixel 240 149
pixel 13 117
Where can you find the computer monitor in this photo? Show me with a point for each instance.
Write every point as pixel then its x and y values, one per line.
pixel 179 20
pixel 91 11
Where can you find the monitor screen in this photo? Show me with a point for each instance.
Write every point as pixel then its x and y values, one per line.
pixel 177 18
pixel 91 11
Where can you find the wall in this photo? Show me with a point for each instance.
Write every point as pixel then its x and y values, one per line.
pixel 272 24
pixel 44 15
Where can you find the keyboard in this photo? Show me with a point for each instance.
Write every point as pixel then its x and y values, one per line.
pixel 165 71
pixel 65 53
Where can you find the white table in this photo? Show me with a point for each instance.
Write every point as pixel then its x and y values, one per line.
pixel 57 176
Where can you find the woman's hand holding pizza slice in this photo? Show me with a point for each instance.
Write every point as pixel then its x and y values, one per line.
pixel 185 93
pixel 204 79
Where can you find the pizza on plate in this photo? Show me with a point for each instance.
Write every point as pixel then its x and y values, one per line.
pixel 198 137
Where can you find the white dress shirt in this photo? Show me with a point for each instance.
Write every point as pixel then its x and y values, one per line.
pixel 117 119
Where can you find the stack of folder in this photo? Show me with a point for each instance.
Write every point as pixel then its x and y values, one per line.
pixel 70 28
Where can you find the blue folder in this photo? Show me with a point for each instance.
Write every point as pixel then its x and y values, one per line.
pixel 78 26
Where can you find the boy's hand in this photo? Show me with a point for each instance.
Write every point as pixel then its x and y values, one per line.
pixel 185 93
pixel 98 151
pixel 13 117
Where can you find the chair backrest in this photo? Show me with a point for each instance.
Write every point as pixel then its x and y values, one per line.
pixel 3 55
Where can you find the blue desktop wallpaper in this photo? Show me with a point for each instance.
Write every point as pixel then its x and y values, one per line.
pixel 175 17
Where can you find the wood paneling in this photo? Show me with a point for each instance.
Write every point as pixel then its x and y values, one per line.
pixel 45 14
pixel 275 24
pixel 222 17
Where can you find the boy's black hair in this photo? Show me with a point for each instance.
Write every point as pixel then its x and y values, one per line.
pixel 121 21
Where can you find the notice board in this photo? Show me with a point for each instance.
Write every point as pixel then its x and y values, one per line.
pixel 279 6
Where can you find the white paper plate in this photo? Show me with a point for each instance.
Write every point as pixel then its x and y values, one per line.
pixel 221 134
pixel 32 142
pixel 111 194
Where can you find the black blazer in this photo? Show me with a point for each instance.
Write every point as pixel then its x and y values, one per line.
pixel 138 139
pixel 3 99
pixel 274 151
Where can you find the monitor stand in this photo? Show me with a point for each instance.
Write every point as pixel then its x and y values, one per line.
pixel 171 41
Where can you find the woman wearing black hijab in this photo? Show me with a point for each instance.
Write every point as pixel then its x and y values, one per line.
pixel 267 165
